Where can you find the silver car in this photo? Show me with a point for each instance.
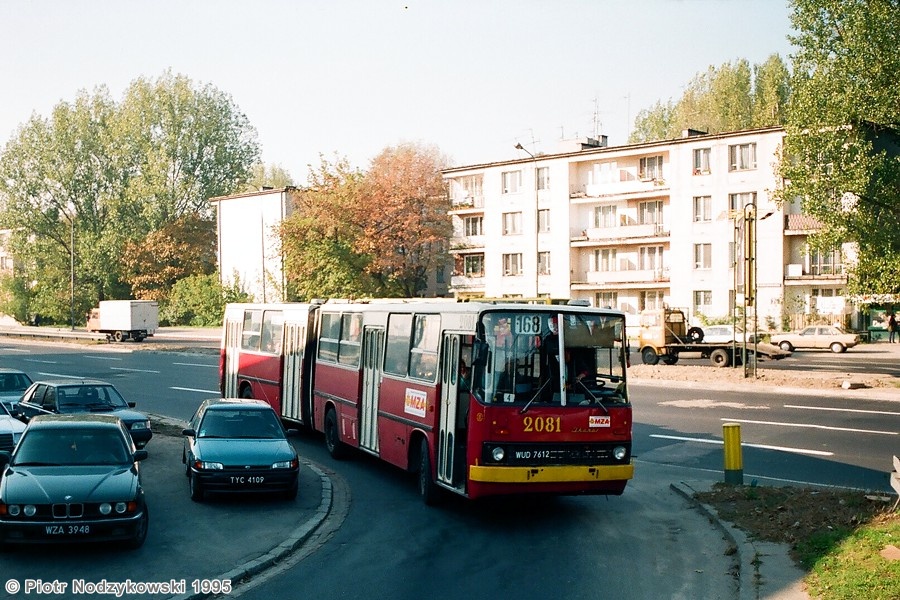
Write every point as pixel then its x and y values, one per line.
pixel 816 337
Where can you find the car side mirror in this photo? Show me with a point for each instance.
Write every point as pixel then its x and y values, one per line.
pixel 188 432
pixel 141 455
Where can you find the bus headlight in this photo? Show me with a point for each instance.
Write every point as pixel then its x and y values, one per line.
pixel 619 452
pixel 498 454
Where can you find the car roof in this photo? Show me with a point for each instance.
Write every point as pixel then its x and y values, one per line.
pixel 54 421
pixel 72 382
pixel 11 370
pixel 231 403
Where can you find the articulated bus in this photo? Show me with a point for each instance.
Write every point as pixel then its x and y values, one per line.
pixel 479 399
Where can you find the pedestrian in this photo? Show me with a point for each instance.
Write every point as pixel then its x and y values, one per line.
pixel 892 329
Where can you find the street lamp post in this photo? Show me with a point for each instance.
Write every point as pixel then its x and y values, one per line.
pixel 537 214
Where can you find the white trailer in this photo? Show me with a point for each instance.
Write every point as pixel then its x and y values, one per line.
pixel 124 320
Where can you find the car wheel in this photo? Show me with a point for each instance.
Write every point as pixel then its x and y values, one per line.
pixel 695 334
pixel 838 347
pixel 427 488
pixel 141 535
pixel 649 356
pixel 333 442
pixel 197 492
pixel 247 393
pixel 786 346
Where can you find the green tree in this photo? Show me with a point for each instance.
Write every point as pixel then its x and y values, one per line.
pixel 732 97
pixel 199 301
pixel 842 150
pixel 268 176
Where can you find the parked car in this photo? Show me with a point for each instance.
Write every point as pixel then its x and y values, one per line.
pixel 13 384
pixel 239 445
pixel 11 429
pixel 73 478
pixel 816 336
pixel 62 396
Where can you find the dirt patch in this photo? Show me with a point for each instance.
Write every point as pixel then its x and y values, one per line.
pixel 771 377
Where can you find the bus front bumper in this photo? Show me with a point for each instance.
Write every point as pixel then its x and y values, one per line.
pixel 551 474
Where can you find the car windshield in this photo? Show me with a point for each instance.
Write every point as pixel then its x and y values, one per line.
pixel 563 358
pixel 81 398
pixel 71 446
pixel 237 423
pixel 14 382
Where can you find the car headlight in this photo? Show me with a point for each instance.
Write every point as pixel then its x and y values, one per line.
pixel 140 425
pixel 208 466
pixel 30 510
pixel 285 464
pixel 105 508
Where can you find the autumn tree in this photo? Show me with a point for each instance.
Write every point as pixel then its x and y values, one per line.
pixel 842 148
pixel 402 216
pixel 732 97
pixel 318 238
pixel 154 264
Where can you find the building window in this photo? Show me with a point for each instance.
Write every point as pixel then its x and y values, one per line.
pixel 543 178
pixel 465 190
pixel 702 256
pixel 606 299
pixel 604 260
pixel 701 161
pixel 512 181
pixel 737 202
pixel 825 262
pixel 473 265
pixel 474 225
pixel 650 213
pixel 741 157
pixel 702 209
pixel 544 220
pixel 651 167
pixel 543 263
pixel 512 264
pixel 605 216
pixel 651 300
pixel 512 223
pixel 440 276
pixel 650 258
pixel 702 302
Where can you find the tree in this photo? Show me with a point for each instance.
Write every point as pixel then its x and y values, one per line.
pixel 731 97
pixel 268 176
pixel 153 265
pixel 187 143
pixel 403 217
pixel 842 147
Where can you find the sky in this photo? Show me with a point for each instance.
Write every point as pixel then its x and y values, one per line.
pixel 349 78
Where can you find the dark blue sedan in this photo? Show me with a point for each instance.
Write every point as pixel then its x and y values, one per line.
pixel 73 478
pixel 239 445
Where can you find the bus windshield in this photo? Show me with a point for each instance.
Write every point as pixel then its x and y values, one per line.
pixel 552 357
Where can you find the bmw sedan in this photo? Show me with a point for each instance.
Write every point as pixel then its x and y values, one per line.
pixel 62 396
pixel 239 445
pixel 10 430
pixel 73 478
pixel 13 384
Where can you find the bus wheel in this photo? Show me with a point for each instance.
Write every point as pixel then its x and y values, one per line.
pixel 247 392
pixel 332 438
pixel 427 488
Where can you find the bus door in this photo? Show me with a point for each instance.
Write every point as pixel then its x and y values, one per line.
pixel 292 371
pixel 454 401
pixel 372 352
pixel 231 347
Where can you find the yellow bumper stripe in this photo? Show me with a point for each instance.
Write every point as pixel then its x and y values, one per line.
pixel 550 474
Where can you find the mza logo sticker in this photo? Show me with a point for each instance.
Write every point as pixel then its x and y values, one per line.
pixel 414 402
pixel 598 421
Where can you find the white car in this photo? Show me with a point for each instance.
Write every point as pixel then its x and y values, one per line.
pixel 723 334
pixel 817 336
pixel 10 429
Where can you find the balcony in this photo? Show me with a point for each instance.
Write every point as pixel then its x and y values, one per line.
pixel 464 244
pixel 467 204
pixel 631 233
pixel 472 281
pixel 640 276
pixel 801 224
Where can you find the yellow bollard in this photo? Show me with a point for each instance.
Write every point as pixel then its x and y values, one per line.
pixel 734 462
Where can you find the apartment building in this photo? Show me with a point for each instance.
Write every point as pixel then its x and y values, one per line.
pixel 633 227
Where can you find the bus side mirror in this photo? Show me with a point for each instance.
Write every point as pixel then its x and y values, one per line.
pixel 480 352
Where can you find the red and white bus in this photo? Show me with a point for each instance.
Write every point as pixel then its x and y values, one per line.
pixel 478 398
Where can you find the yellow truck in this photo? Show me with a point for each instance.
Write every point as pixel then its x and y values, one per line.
pixel 665 333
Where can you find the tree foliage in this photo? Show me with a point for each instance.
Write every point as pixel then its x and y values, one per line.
pixel 199 301
pixel 377 233
pixel 104 174
pixel 842 149
pixel 732 97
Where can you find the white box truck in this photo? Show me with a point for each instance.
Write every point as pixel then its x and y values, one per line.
pixel 124 320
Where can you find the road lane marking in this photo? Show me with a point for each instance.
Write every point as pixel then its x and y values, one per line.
pixel 102 357
pixel 196 365
pixel 707 403
pixel 61 376
pixel 132 370
pixel 811 426
pixel 23 350
pixel 744 444
pixel 46 362
pixel 184 389
pixel 849 410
